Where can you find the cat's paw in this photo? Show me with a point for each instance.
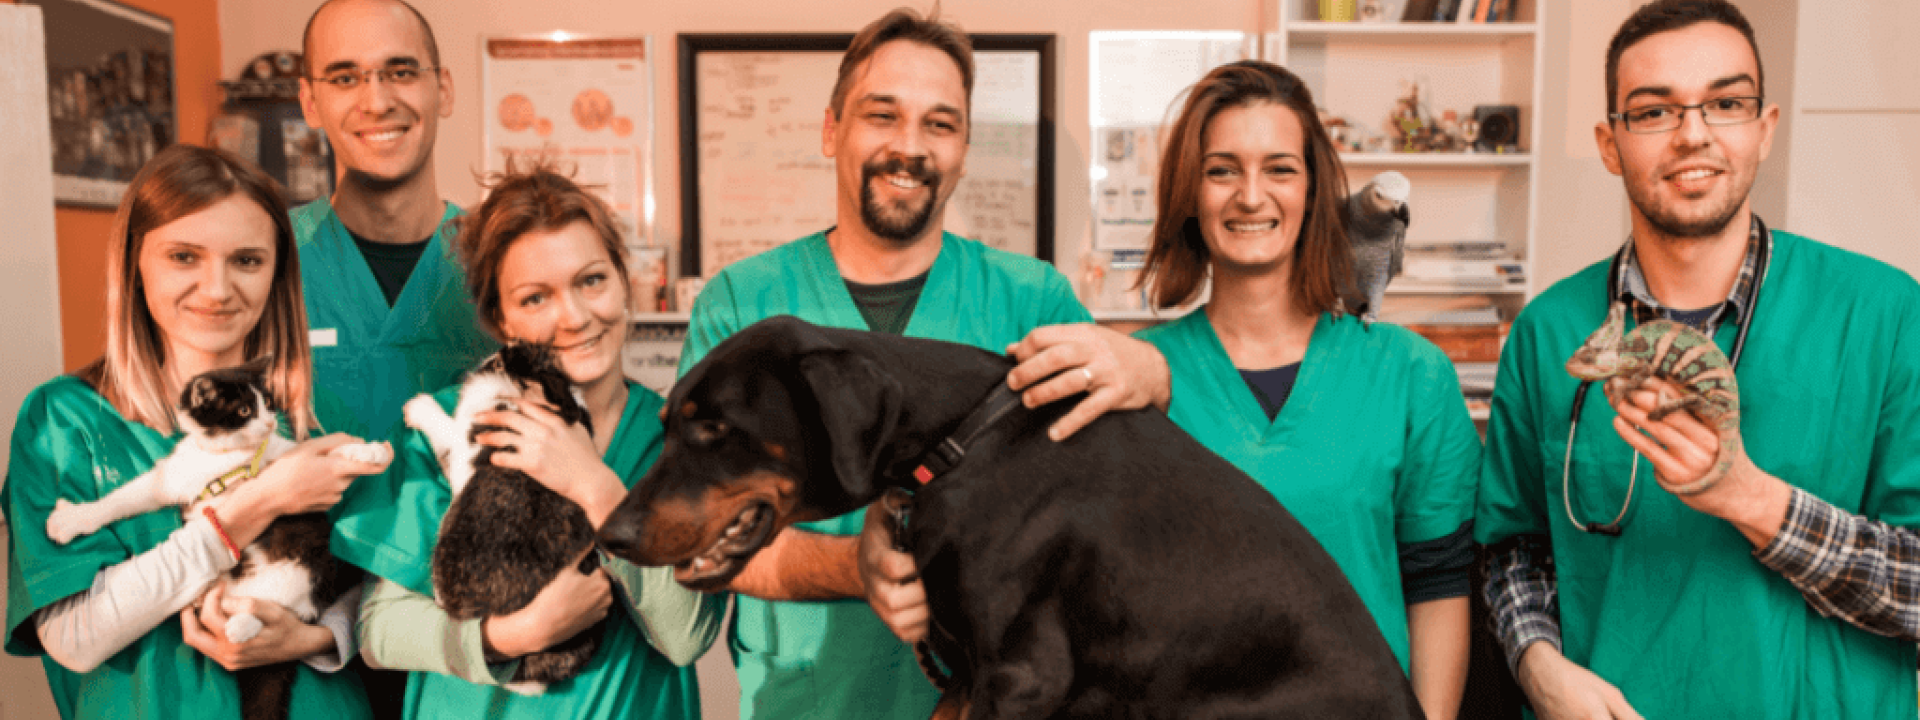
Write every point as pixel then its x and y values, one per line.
pixel 422 413
pixel 69 521
pixel 243 627
pixel 526 688
pixel 371 453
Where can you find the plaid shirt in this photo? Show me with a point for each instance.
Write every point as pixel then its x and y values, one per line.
pixel 1864 572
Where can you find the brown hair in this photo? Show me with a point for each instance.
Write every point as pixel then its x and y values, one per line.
pixel 905 24
pixel 1664 15
pixel 520 201
pixel 179 181
pixel 1178 257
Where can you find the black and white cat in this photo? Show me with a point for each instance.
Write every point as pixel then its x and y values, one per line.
pixel 505 536
pixel 229 422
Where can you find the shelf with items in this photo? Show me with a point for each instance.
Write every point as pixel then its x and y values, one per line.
pixel 1474 215
pixel 1391 160
pixel 660 318
pixel 1420 32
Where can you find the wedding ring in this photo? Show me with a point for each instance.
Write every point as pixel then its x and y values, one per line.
pixel 1088 373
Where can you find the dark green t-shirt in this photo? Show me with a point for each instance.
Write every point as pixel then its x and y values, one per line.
pixel 390 263
pixel 887 306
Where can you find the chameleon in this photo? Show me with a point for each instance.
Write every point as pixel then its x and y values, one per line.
pixel 1685 358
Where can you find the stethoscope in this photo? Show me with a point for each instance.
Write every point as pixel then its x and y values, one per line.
pixel 1616 277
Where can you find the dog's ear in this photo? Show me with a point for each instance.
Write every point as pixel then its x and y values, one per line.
pixel 860 409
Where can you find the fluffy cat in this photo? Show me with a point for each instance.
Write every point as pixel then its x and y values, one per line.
pixel 229 422
pixel 505 536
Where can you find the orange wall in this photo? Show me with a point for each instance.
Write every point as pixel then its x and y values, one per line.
pixel 83 232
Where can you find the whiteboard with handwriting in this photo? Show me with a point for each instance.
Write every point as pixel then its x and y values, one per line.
pixel 763 180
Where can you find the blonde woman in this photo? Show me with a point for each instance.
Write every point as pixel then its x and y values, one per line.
pixel 201 275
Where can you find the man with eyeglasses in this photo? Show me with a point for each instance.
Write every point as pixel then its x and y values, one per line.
pixel 386 302
pixel 1789 589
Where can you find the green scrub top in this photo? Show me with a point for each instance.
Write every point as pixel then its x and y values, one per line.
pixel 1675 611
pixel 1373 448
pixel 69 443
pixel 369 358
pixel 391 525
pixel 835 659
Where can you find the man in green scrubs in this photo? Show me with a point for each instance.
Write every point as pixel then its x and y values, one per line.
pixel 385 299
pixel 804 643
pixel 386 302
pixel 1788 589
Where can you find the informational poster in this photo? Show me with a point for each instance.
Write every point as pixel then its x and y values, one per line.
pixel 1138 77
pixel 760 179
pixel 584 104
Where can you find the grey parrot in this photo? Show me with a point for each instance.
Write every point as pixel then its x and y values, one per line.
pixel 1377 230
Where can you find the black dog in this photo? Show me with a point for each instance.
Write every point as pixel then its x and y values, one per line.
pixel 1126 572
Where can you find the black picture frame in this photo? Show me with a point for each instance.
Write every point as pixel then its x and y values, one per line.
pixel 692 45
pixel 112 95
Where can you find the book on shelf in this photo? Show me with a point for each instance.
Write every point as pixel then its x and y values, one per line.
pixel 1476 378
pixel 1466 344
pixel 1420 11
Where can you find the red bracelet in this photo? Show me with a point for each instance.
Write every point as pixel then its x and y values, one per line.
pixel 222 532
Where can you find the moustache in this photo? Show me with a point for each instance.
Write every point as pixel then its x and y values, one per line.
pixel 918 169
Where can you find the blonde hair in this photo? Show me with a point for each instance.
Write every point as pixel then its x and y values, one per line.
pixel 180 181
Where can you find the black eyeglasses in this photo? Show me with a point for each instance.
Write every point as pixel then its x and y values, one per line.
pixel 395 75
pixel 1667 116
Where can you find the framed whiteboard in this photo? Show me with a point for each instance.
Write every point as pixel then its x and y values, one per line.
pixel 752 176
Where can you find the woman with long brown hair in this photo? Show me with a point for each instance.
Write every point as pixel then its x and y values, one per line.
pixel 1359 431
pixel 202 274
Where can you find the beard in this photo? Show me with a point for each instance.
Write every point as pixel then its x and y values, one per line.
pixel 899 223
pixel 1713 216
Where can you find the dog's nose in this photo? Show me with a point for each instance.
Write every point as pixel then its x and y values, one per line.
pixel 618 536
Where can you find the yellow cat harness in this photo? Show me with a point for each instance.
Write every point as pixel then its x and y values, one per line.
pixel 240 474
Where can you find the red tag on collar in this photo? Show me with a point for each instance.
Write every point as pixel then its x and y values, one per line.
pixel 922 474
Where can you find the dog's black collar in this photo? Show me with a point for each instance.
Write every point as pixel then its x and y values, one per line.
pixel 950 451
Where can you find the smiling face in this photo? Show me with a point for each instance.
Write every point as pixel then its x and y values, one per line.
pixel 206 278
pixel 560 286
pixel 1253 188
pixel 900 143
pixel 382 132
pixel 1692 181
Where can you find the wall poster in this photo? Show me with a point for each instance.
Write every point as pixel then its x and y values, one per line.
pixel 584 102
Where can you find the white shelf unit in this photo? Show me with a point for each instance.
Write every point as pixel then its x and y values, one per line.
pixel 1359 70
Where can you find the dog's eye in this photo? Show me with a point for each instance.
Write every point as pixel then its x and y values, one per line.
pixel 704 433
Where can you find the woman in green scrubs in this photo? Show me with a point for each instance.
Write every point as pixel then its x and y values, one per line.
pixel 1359 431
pixel 202 274
pixel 545 264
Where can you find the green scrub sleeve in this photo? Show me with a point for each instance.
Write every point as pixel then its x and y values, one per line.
pixel 1434 493
pixel 680 623
pixel 50 459
pixel 1511 498
pixel 400 629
